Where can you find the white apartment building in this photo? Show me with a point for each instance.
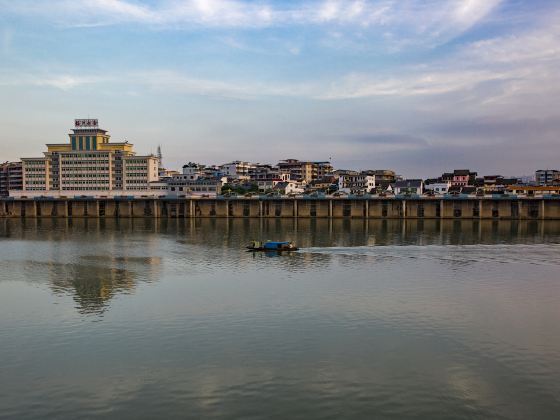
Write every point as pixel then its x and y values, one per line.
pixel 438 187
pixel 237 170
pixel 356 183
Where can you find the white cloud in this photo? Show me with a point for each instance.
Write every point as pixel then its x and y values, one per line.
pixel 523 64
pixel 537 46
pixel 160 81
pixel 432 19
pixel 431 83
pixel 520 66
pixel 62 81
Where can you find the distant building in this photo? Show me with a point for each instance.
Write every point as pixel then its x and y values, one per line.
pixel 492 179
pixel 201 186
pixel 325 184
pixel 267 172
pixel 304 170
pixel 11 177
pixel 356 183
pixel 547 176
pixel 492 183
pixel 447 176
pixel 194 181
pixel 289 187
pixel 191 172
pixel 266 185
pixel 438 187
pixel 531 190
pixel 167 173
pixel 459 177
pixel 322 170
pixel 88 165
pixel 382 176
pixel 237 170
pixel 409 186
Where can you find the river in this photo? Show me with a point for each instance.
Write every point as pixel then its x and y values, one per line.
pixel 142 319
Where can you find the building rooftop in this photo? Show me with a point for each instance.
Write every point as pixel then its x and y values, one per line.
pixel 409 183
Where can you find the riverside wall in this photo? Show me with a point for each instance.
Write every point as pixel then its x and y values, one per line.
pixel 356 208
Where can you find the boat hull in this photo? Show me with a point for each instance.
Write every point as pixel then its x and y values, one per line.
pixel 262 249
pixel 272 246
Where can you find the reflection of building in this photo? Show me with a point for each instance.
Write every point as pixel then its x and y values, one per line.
pixel 88 163
pixel 95 281
pixel 10 178
pixel 92 286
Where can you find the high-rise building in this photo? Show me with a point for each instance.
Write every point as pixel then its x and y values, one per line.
pixel 88 163
pixel 10 178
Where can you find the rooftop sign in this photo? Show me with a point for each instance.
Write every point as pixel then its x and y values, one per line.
pixel 88 123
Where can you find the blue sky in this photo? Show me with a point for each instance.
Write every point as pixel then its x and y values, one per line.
pixel 417 86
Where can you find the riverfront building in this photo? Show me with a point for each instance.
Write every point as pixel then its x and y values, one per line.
pixel 88 164
pixel 547 176
pixel 305 170
pixel 10 178
pixel 194 182
pixel 351 182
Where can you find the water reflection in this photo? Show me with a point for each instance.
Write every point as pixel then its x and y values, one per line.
pixel 91 286
pixel 308 232
pixel 372 319
pixel 92 281
pixel 126 244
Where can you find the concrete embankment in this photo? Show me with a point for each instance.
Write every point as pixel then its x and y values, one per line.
pixel 371 208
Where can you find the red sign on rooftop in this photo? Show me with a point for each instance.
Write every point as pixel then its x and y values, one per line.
pixel 87 123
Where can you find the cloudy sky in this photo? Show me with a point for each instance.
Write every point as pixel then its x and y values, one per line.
pixel 419 86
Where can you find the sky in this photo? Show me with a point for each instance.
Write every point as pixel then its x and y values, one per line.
pixel 418 86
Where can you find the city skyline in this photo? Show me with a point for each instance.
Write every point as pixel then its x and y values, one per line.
pixel 417 86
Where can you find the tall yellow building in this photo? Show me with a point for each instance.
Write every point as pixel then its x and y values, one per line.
pixel 89 162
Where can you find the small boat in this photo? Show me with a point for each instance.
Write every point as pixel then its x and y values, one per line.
pixel 272 246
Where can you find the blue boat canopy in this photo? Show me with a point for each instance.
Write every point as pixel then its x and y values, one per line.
pixel 274 245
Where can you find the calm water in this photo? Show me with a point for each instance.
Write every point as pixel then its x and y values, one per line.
pixel 172 319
